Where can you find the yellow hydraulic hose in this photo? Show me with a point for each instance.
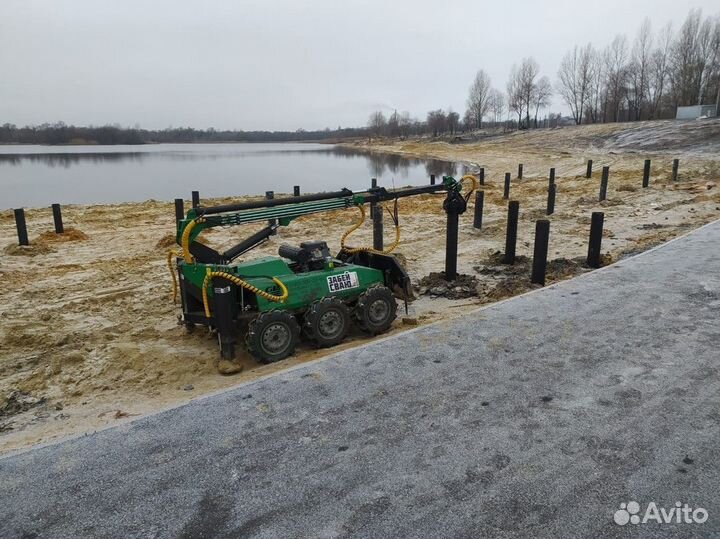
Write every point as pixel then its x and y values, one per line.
pixel 171 254
pixel 474 181
pixel 238 281
pixel 185 241
pixel 393 246
pixel 353 228
pixel 353 250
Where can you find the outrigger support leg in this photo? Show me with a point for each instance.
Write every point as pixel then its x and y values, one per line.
pixel 224 314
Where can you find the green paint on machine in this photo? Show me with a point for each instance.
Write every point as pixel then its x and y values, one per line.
pixel 324 292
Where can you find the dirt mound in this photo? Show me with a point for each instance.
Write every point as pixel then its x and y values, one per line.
pixel 70 234
pixel 28 250
pixel 435 284
pixel 167 241
pixel 611 202
pixel 560 268
pixel 495 257
pixel 507 288
pixel 584 201
pixel 493 265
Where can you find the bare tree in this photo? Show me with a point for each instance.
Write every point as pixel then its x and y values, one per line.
pixel 515 101
pixel 716 64
pixel 405 124
pixel 437 121
pixel 468 120
pixel 477 101
pixel 377 123
pixel 453 121
pixel 694 60
pixel 659 71
pixel 496 104
pixel 393 124
pixel 684 61
pixel 529 70
pixel 616 72
pixel 576 77
pixel 598 87
pixel 554 119
pixel 542 92
pixel 708 56
pixel 639 70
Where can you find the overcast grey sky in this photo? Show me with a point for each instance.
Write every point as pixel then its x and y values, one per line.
pixel 283 64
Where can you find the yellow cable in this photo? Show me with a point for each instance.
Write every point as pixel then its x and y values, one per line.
pixel 474 183
pixel 206 283
pixel 170 256
pixel 353 228
pixel 393 246
pixel 353 250
pixel 185 241
pixel 238 281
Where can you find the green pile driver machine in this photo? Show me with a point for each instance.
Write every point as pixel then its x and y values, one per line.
pixel 305 291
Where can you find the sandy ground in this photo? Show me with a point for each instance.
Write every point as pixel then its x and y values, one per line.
pixel 89 334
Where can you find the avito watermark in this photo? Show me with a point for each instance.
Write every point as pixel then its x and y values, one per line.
pixel 680 513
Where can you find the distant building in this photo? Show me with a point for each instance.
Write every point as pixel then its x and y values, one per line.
pixel 690 113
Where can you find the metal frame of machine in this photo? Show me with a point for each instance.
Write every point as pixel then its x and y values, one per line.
pixel 303 291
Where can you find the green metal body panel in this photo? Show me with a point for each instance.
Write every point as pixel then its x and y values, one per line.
pixel 347 281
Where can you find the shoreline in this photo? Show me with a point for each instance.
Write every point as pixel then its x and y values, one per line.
pixel 155 143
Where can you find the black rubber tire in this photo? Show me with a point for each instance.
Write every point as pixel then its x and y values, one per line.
pixel 376 309
pixel 272 336
pixel 326 322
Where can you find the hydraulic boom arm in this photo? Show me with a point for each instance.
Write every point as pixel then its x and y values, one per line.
pixel 283 210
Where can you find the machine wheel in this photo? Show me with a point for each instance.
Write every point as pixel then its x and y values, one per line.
pixel 376 309
pixel 272 336
pixel 327 322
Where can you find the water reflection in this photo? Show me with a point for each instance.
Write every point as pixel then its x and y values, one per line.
pixel 66 160
pixel 397 165
pixel 41 175
pixel 378 164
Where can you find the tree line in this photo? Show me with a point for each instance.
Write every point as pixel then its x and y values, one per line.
pixel 647 79
pixel 60 133
pixel 643 80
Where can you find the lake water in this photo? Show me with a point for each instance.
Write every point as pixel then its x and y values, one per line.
pixel 32 176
